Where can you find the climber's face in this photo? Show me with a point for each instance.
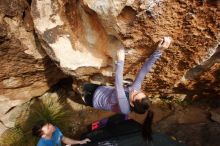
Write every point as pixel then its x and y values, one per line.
pixel 47 130
pixel 136 95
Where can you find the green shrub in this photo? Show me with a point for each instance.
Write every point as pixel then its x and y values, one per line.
pixel 13 136
pixel 48 109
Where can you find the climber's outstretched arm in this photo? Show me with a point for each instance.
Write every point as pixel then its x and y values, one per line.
pixel 122 99
pixel 163 44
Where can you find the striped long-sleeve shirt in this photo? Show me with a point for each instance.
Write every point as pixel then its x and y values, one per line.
pixel 114 98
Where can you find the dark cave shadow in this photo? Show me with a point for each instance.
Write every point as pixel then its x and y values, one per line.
pixel 204 90
pixel 66 85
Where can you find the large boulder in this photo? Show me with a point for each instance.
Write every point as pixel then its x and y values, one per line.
pixel 26 71
pixel 82 38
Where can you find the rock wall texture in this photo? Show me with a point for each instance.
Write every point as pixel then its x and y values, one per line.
pixel 26 71
pixel 42 39
pixel 82 37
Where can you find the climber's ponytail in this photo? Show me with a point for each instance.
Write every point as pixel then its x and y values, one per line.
pixel 147 126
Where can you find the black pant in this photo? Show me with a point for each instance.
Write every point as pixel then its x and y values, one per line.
pixel 88 92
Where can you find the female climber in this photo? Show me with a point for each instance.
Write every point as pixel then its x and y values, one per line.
pixel 118 98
